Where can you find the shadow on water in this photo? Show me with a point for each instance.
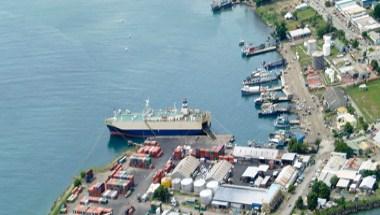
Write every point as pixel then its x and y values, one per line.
pixel 119 143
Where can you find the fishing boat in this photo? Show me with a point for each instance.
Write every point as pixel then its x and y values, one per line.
pixel 282 122
pixel 218 5
pixel 275 64
pixel 261 76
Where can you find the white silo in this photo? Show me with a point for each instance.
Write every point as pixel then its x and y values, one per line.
pixel 311 46
pixel 326 49
pixel 205 196
pixel 187 185
pixel 176 184
pixel 327 39
pixel 199 185
pixel 212 185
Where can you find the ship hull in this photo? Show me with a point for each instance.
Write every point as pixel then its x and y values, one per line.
pixel 147 133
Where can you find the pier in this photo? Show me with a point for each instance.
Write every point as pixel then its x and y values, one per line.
pixel 260 51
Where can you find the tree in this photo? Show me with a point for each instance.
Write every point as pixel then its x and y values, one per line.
pixel 333 181
pixel 348 128
pixel 355 43
pixel 364 125
pixel 376 12
pixel 281 30
pixel 77 182
pixel 312 201
pixel 297 147
pixel 341 146
pixel 321 190
pixel 291 188
pixel 82 174
pixel 328 4
pixel 299 203
pixel 365 35
pixel 323 29
pixel 374 65
pixel 162 193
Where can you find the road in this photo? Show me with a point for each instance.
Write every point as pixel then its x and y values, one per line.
pixel 314 122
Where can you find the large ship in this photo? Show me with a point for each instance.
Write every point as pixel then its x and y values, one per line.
pixel 168 122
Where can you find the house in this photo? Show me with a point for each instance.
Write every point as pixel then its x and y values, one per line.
pixel 288 16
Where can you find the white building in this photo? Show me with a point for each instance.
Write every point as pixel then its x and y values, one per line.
pixel 344 118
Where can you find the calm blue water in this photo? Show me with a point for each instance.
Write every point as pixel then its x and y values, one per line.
pixel 66 64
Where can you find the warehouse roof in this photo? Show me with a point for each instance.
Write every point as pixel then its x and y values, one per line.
pixel 219 171
pixel 250 172
pixel 334 98
pixel 368 165
pixel 256 153
pixel 343 183
pixel 289 156
pixel 246 195
pixel 368 182
pixel 346 174
pixel 185 167
pixel 366 23
pixel 299 32
pixel 285 175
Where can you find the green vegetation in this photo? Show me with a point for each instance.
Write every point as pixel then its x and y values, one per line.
pixel 362 125
pixel 333 181
pixel 291 188
pixel 304 59
pixel 375 66
pixel 355 44
pixel 368 101
pixel 261 2
pixel 77 182
pixel 162 194
pixel 82 174
pixel 299 203
pixel 348 129
pixel 318 190
pixel 341 146
pixel 281 30
pixel 297 147
pixel 376 12
pixel 62 199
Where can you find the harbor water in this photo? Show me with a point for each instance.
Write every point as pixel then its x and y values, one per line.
pixel 67 64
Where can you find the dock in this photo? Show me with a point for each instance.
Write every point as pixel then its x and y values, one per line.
pixel 260 51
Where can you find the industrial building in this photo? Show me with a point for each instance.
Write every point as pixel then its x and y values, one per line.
pixel 299 33
pixel 219 171
pixel 334 98
pixel 287 176
pixel 334 164
pixel 244 197
pixel 185 168
pixel 262 154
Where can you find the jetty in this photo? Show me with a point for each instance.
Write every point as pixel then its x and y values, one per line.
pixel 251 50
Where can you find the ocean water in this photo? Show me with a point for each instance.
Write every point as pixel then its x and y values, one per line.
pixel 66 64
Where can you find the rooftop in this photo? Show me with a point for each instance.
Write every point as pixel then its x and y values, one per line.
pixel 219 171
pixel 256 153
pixel 300 32
pixel 185 167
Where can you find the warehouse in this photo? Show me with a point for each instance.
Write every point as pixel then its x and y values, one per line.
pixel 248 197
pixel 185 167
pixel 219 171
pixel 262 154
pixel 299 33
pixel 365 23
pixel 287 176
pixel 334 164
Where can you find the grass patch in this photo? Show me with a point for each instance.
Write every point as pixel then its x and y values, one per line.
pixel 367 101
pixel 62 199
pixel 304 58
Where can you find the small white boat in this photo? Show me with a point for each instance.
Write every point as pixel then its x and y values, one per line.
pixel 241 43
pixel 250 90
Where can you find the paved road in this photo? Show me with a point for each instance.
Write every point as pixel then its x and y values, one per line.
pixel 296 85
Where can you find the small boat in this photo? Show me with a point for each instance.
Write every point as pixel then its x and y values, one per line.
pixel 241 43
pixel 282 122
pixel 250 90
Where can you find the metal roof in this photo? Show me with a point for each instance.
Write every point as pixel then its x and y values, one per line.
pixel 286 174
pixel 343 183
pixel 369 165
pixel 219 171
pixel 256 153
pixel 334 97
pixel 185 167
pixel 368 182
pixel 250 172
pixel 246 195
pixel 289 156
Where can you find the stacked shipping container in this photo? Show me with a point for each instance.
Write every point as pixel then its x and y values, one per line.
pixel 140 161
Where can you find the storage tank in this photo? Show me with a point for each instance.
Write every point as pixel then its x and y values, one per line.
pixel 311 46
pixel 166 182
pixel 326 49
pixel 199 185
pixel 176 184
pixel 318 61
pixel 327 39
pixel 205 196
pixel 187 185
pixel 212 185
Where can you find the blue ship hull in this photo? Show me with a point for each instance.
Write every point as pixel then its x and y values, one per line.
pixel 148 133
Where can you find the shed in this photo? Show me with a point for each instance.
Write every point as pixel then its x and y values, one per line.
pixel 369 165
pixel 219 171
pixel 255 153
pixel 250 173
pixel 299 33
pixel 288 158
pixel 185 167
